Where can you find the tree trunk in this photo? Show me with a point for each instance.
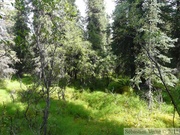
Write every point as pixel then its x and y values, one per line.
pixel 150 94
pixel 44 126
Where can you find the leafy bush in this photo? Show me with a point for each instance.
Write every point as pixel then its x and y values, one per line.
pixel 119 85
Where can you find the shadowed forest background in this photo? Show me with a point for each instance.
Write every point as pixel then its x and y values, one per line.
pixel 61 73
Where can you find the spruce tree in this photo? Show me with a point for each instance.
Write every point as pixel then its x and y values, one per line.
pixel 98 36
pixel 21 32
pixel 97 25
pixel 127 16
pixel 151 62
pixel 76 50
pixel 175 14
pixel 171 16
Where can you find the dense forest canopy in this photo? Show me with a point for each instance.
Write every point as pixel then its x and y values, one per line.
pixel 51 42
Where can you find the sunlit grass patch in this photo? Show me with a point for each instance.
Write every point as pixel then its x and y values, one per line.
pixel 9 90
pixel 166 108
pixel 10 85
pixel 82 112
pixel 4 96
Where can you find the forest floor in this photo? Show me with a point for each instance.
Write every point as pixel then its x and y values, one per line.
pixel 82 112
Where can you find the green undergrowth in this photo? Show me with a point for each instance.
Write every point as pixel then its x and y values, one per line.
pixel 82 113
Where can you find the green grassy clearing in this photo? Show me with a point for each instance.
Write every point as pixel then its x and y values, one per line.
pixel 83 113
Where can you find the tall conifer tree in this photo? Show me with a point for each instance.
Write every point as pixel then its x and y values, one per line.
pixel 155 45
pixel 97 25
pixel 98 36
pixel 127 16
pixel 21 32
pixel 175 6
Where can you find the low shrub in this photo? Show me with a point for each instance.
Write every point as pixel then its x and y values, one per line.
pixel 119 85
